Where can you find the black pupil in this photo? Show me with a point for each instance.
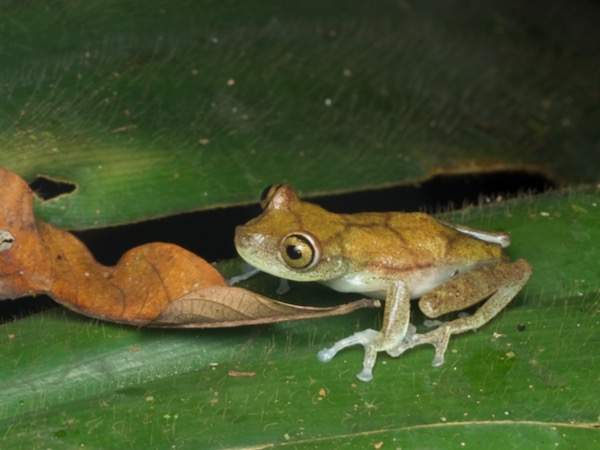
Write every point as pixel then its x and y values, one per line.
pixel 294 251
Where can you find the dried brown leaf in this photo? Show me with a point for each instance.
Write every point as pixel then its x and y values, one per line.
pixel 230 306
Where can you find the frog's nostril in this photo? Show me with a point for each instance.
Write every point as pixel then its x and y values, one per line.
pixel 245 239
pixel 257 239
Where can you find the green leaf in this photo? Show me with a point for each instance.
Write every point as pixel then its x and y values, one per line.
pixel 153 108
pixel 529 378
pixel 150 109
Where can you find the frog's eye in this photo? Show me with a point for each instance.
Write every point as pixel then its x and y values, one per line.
pixel 300 250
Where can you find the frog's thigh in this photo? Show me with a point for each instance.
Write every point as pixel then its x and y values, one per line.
pixel 469 288
pixel 511 278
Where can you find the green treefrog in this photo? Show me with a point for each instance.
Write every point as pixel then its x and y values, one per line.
pixel 393 256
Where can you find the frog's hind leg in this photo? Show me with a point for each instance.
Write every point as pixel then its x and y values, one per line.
pixel 395 328
pixel 501 282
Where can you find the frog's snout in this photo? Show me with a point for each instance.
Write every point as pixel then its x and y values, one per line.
pixel 239 236
pixel 246 239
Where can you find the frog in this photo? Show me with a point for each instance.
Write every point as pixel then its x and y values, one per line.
pixel 396 257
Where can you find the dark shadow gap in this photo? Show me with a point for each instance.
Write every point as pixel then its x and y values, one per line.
pixel 210 233
pixel 47 188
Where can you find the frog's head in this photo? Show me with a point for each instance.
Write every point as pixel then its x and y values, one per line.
pixel 292 239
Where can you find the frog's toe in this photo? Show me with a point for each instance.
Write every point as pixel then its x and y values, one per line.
pixel 365 338
pixel 368 363
pixel 326 354
pixel 438 360
pixel 365 375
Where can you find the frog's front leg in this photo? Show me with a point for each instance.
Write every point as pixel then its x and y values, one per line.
pixel 395 328
pixel 500 282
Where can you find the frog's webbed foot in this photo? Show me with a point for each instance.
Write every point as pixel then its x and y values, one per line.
pixel 395 328
pixel 368 339
pixel 439 338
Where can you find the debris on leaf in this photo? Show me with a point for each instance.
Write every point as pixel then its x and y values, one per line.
pixel 235 373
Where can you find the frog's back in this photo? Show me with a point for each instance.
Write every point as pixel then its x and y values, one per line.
pixel 420 230
pixel 408 239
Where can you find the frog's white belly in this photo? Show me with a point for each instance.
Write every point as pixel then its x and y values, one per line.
pixel 418 283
